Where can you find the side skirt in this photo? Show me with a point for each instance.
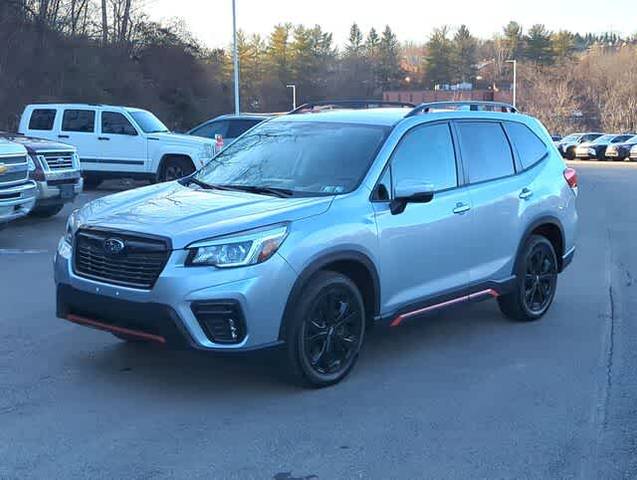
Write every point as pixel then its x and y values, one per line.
pixel 474 293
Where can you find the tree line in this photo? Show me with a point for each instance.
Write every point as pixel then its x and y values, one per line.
pixel 108 51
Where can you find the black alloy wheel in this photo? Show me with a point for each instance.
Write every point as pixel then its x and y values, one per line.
pixel 328 331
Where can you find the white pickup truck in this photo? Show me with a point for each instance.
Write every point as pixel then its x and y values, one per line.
pixel 118 142
pixel 17 191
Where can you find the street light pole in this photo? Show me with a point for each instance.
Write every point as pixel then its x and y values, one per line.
pixel 515 80
pixel 236 58
pixel 293 87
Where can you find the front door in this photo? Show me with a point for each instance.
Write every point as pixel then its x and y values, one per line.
pixel 122 147
pixel 423 250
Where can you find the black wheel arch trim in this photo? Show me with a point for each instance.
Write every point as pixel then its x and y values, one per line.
pixel 319 264
pixel 538 222
pixel 167 156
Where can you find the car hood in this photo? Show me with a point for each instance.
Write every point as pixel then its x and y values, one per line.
pixel 33 144
pixel 181 138
pixel 187 215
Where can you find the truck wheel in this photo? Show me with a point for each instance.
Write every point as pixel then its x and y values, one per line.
pixel 536 273
pixel 91 183
pixel 326 330
pixel 176 168
pixel 46 212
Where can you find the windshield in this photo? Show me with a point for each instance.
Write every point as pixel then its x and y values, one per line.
pixel 571 138
pixel 303 157
pixel 148 122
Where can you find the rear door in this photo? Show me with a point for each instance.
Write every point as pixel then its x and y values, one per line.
pixel 122 147
pixel 79 128
pixel 40 123
pixel 424 252
pixel 495 191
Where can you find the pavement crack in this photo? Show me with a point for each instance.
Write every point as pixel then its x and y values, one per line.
pixel 610 355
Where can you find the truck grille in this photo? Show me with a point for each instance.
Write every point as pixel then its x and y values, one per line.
pixel 15 169
pixel 137 265
pixel 59 160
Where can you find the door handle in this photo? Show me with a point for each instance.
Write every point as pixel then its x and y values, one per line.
pixel 461 208
pixel 103 138
pixel 526 193
pixel 63 136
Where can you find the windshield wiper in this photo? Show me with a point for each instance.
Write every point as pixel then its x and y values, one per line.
pixel 189 180
pixel 275 191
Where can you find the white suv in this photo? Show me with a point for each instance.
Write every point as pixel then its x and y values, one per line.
pixel 117 142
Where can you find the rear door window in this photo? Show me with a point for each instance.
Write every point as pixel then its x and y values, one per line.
pixel 78 121
pixel 485 149
pixel 42 119
pixel 528 145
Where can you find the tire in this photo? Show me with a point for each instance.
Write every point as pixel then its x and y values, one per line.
pixel 91 183
pixel 46 212
pixel 326 330
pixel 536 272
pixel 569 154
pixel 175 168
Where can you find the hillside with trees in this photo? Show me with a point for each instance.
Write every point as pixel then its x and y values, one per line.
pixel 108 51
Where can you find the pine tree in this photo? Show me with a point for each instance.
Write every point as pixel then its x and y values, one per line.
pixel 439 51
pixel 538 45
pixel 464 55
pixel 514 39
pixel 389 69
pixel 563 44
pixel 354 45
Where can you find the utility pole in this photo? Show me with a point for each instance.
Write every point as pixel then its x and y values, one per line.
pixel 515 80
pixel 293 87
pixel 236 58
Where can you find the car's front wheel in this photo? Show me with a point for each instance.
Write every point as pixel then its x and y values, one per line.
pixel 176 168
pixel 536 273
pixel 326 330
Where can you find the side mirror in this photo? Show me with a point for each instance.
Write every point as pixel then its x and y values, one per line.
pixel 410 192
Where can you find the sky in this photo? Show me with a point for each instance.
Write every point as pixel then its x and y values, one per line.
pixel 412 20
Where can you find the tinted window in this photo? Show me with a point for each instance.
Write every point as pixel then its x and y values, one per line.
pixel 239 127
pixel 425 154
pixel 485 151
pixel 78 121
pixel 305 157
pixel 530 148
pixel 42 119
pixel 590 137
pixel 621 139
pixel 116 123
pixel 209 130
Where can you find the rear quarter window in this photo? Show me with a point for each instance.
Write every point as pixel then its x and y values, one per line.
pixel 530 148
pixel 42 119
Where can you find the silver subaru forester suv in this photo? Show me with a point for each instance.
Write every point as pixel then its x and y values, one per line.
pixel 311 228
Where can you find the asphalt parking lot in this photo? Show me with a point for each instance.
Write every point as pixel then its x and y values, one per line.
pixel 462 394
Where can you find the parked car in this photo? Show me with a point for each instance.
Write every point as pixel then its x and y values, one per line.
pixel 596 149
pixel 633 153
pixel 309 229
pixel 117 142
pixel 568 144
pixel 357 104
pixel 556 139
pixel 229 127
pixel 621 151
pixel 17 192
pixel 56 172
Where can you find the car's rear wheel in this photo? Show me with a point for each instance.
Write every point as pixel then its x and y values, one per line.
pixel 176 168
pixel 326 330
pixel 46 212
pixel 536 272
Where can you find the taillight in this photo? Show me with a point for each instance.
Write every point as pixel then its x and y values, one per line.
pixel 570 175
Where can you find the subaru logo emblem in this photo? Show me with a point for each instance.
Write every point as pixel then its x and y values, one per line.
pixel 113 246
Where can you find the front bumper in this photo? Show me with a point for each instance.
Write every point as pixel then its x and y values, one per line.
pixel 16 201
pixel 56 190
pixel 260 293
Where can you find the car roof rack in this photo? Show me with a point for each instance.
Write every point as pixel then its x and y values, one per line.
pixel 471 105
pixel 320 106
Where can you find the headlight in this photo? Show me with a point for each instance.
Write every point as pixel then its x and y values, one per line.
pixel 71 226
pixel 76 160
pixel 31 164
pixel 239 250
pixel 591 151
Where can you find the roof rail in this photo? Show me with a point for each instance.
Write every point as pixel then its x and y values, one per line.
pixel 460 105
pixel 314 107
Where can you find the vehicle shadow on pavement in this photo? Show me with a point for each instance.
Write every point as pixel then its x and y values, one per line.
pixel 191 373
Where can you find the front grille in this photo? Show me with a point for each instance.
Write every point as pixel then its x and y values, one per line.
pixel 16 169
pixel 138 265
pixel 59 160
pixel 221 321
